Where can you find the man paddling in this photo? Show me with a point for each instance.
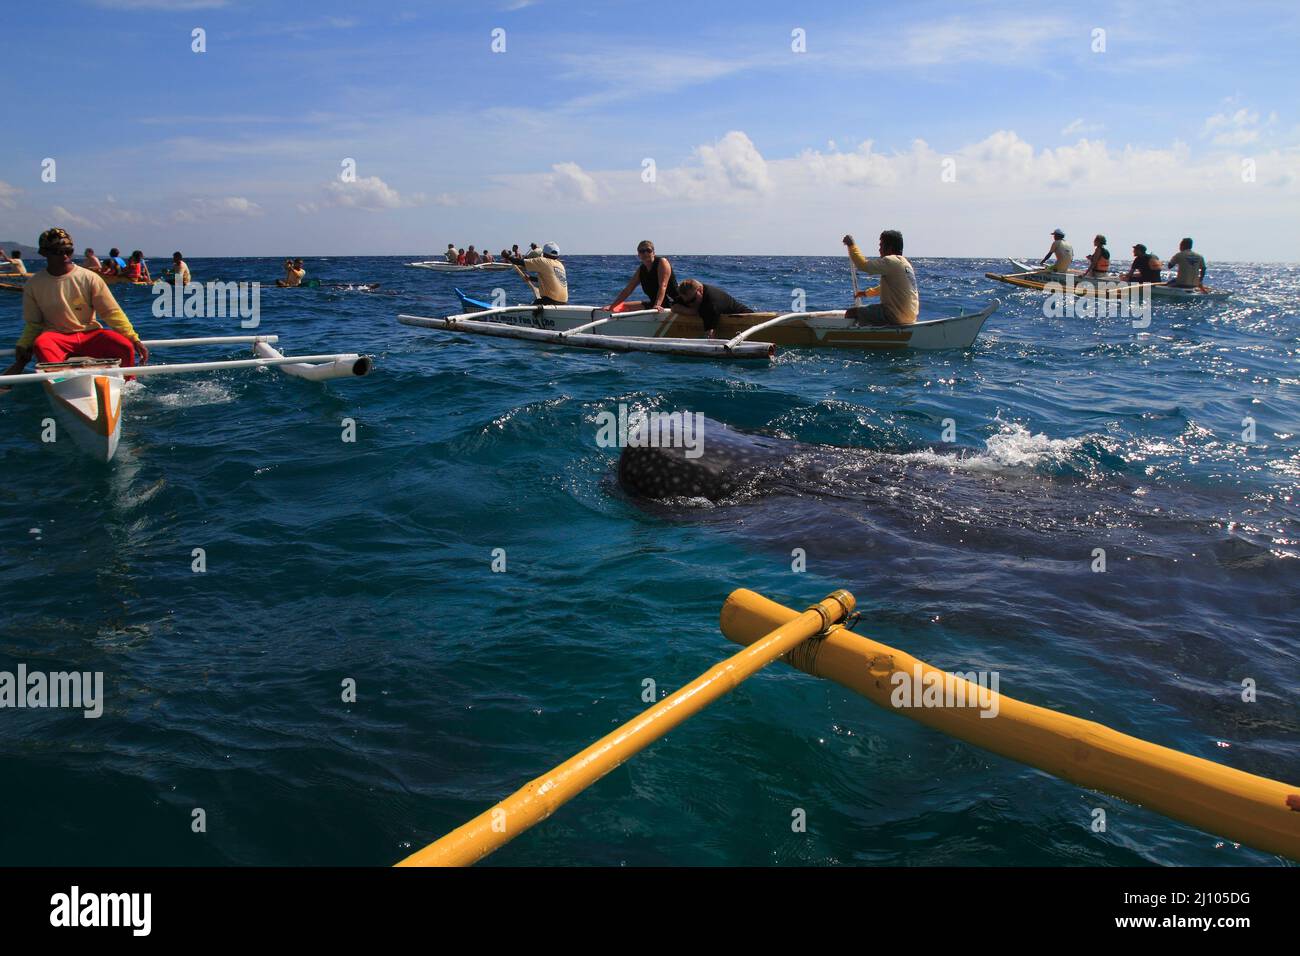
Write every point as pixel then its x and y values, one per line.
pixel 293 274
pixel 1145 267
pixel 1190 266
pixel 1063 251
pixel 552 280
pixel 900 303
pixel 708 302
pixel 64 311
pixel 15 261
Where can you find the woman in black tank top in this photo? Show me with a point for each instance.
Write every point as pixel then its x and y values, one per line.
pixel 655 276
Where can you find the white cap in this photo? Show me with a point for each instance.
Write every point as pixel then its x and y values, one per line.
pixel 550 249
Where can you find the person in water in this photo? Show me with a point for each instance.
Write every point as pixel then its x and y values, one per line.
pixel 1190 266
pixel 65 308
pixel 136 268
pixel 708 302
pixel 450 254
pixel 1063 251
pixel 293 274
pixel 655 276
pixel 552 280
pixel 91 261
pixel 900 303
pixel 1145 267
pixel 15 261
pixel 1099 258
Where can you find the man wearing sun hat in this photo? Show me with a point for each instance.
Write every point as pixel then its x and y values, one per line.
pixel 65 309
pixel 552 280
pixel 1063 251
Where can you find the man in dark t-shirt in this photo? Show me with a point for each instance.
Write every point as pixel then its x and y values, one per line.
pixel 708 302
pixel 1145 267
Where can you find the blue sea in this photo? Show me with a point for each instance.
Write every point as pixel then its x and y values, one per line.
pixel 330 562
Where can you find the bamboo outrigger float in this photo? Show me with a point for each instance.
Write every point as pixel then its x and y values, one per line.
pixel 87 393
pixel 1254 810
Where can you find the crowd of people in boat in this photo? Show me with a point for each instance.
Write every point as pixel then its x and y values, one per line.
pixel 1145 266
pixel 134 268
pixel 662 289
pixel 469 256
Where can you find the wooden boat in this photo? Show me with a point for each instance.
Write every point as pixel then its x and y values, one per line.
pixel 442 265
pixel 1037 277
pixel 86 393
pixel 827 329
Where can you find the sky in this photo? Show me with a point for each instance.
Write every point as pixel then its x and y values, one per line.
pixel 711 128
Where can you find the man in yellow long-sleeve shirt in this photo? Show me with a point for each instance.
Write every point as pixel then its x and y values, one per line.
pixel 900 303
pixel 65 308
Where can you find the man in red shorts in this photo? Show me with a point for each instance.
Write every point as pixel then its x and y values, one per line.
pixel 65 309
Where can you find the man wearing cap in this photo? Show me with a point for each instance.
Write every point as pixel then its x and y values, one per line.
pixel 1145 267
pixel 551 277
pixel 63 308
pixel 1063 251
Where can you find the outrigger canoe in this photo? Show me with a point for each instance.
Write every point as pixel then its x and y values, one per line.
pixel 827 329
pixel 443 265
pixel 86 393
pixel 1038 278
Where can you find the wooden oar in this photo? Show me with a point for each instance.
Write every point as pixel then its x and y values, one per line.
pixel 528 282
pixel 860 294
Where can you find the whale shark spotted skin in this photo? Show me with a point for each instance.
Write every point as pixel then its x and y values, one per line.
pixel 731 462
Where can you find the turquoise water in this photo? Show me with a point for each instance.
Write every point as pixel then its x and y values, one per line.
pixel 372 561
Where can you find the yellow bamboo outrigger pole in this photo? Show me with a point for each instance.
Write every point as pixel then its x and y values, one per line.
pixel 1253 810
pixel 537 800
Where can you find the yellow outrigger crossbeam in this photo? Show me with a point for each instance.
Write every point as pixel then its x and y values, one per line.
pixel 1245 808
pixel 537 800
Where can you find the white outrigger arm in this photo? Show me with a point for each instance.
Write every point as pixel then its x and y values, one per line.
pixel 315 367
pixel 779 320
pixel 578 339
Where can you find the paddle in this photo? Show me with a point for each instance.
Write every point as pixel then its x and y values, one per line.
pixel 528 282
pixel 863 293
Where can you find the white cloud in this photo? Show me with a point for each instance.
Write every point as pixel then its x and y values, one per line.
pixel 367 192
pixel 66 218
pixel 730 168
pixel 1238 129
pixel 569 182
pixel 230 207
pixel 167 6
pixel 1012 39
pixel 861 167
pixel 1080 126
pixel 7 194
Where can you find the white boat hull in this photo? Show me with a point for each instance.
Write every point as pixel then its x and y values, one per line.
pixel 831 329
pixel 89 409
pixel 436 266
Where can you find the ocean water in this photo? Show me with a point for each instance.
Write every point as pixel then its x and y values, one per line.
pixel 371 561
